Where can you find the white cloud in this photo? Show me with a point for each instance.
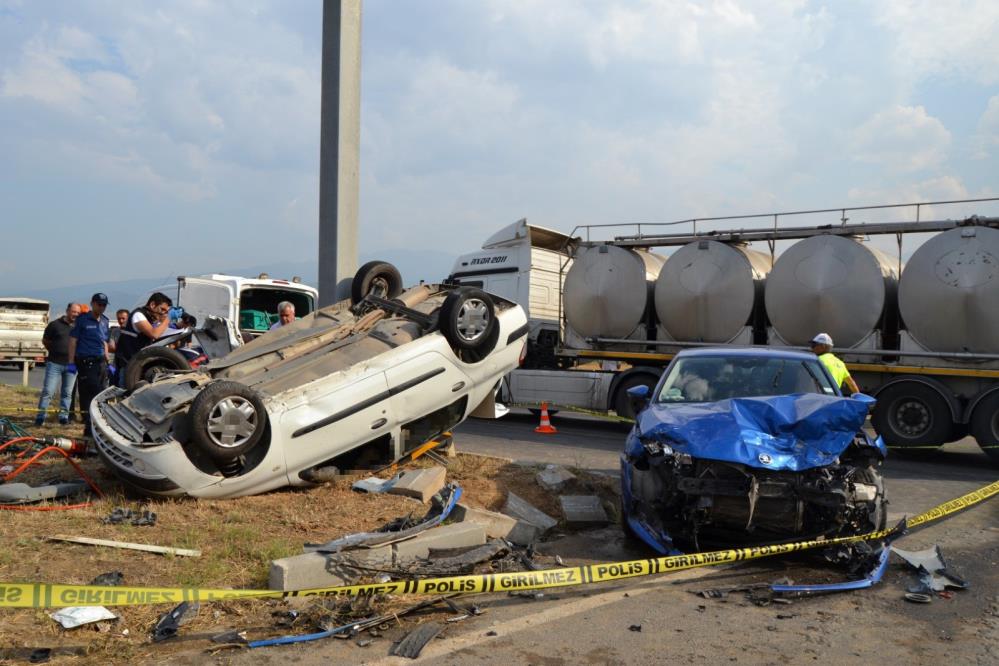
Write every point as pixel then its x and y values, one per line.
pixel 988 129
pixel 902 137
pixel 932 37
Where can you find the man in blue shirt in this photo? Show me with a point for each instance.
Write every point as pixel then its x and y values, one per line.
pixel 88 353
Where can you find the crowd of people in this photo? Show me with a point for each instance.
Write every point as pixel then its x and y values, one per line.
pixel 87 354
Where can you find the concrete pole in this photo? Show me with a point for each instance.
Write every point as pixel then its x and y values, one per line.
pixel 339 148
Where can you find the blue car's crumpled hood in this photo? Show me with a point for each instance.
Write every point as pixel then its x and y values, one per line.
pixel 787 432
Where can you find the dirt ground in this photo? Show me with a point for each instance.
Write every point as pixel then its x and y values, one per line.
pixel 238 539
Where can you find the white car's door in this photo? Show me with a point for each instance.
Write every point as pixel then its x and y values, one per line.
pixel 425 381
pixel 325 423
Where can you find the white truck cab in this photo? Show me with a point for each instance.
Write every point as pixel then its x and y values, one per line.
pixel 525 264
pixel 249 303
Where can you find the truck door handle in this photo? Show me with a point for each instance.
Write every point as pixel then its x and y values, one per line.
pixel 457 387
pixel 378 424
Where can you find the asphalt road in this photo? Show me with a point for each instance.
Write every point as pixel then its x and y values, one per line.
pixel 657 620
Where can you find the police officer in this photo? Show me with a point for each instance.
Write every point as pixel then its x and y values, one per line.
pixel 88 351
pixel 143 326
pixel 822 345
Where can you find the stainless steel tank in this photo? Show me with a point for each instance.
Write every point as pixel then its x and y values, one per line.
pixel 707 290
pixel 830 284
pixel 949 292
pixel 607 290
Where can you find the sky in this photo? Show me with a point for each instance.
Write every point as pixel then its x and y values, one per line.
pixel 144 139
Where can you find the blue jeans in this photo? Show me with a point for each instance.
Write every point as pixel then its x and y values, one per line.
pixel 54 372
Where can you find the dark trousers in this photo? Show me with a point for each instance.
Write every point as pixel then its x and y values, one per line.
pixel 92 380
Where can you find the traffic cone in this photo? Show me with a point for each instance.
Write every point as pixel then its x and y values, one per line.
pixel 545 427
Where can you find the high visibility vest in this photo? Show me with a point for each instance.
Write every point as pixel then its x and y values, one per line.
pixel 835 367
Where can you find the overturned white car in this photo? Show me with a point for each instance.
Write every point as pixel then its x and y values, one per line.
pixel 350 385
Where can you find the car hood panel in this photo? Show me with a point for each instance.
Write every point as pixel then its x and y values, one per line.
pixel 788 432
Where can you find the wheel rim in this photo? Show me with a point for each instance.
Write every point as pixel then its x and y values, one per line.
pixel 912 418
pixel 232 422
pixel 473 319
pixel 379 288
pixel 152 372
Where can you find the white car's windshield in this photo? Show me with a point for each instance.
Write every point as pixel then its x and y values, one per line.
pixel 711 378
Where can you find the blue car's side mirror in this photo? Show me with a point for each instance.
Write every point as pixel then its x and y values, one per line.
pixel 640 392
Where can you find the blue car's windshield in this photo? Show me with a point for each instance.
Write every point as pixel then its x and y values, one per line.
pixel 711 378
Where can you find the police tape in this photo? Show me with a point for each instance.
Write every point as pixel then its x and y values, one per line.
pixel 45 595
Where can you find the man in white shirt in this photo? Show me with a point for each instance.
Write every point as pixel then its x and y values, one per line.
pixel 286 315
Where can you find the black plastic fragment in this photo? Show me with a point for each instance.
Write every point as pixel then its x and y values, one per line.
pixel 40 655
pixel 169 623
pixel 109 579
pixel 414 641
pixel 635 627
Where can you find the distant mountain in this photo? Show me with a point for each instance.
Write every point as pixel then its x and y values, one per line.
pixel 414 266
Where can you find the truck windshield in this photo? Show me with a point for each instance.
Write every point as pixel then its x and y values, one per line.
pixel 707 379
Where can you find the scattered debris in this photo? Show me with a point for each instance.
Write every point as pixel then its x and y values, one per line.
pixel 932 570
pixel 635 627
pixel 466 562
pixel 121 515
pixel 554 477
pixel 491 633
pixel 109 579
pixel 374 485
pixel 22 493
pixel 164 550
pixel 583 510
pixel 169 623
pixel 231 637
pixel 521 509
pixel 40 656
pixel 77 616
pixel 364 642
pixel 498 525
pixel 413 643
pixel 421 484
pixel 396 530
pixel 918 598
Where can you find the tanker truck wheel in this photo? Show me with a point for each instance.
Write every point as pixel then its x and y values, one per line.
pixel 910 414
pixel 985 426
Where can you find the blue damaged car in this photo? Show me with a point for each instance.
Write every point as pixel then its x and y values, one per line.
pixel 748 446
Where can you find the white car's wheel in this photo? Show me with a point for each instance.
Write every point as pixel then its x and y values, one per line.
pixel 227 420
pixel 377 278
pixel 468 321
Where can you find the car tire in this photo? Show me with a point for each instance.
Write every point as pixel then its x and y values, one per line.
pixel 910 414
pixel 468 321
pixel 227 419
pixel 985 426
pixel 870 476
pixel 149 362
pixel 377 278
pixel 622 401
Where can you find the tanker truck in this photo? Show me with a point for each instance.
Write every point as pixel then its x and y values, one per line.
pixel 609 314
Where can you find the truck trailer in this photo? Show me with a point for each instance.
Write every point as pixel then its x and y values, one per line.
pixel 920 335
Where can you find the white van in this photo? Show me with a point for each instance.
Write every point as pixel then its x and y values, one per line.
pixel 249 303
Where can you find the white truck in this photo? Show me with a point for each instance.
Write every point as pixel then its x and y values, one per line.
pixel 22 323
pixel 921 340
pixel 250 304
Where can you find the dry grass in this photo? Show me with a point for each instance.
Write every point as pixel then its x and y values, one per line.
pixel 238 539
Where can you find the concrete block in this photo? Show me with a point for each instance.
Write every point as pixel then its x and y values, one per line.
pixel 583 510
pixel 455 535
pixel 310 570
pixel 421 484
pixel 498 525
pixel 521 509
pixel 554 477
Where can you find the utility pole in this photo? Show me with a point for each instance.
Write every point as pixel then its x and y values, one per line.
pixel 339 148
